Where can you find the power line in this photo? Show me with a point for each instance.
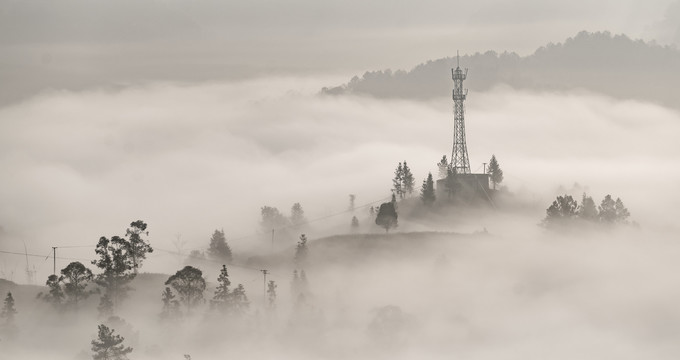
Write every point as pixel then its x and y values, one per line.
pixel 41 256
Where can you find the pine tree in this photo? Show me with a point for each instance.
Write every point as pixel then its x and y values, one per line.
pixel 109 346
pixel 408 181
pixel 8 327
pixel 354 223
pixel 451 182
pixel 561 211
pixel 240 301
pixel 219 250
pixel 398 181
pixel 301 251
pixel 622 213
pixel 76 277
pixel 222 298
pixel 495 172
pixel 427 191
pixel 443 166
pixel 587 210
pixel 271 294
pixel 297 215
pixel 170 305
pixel 607 210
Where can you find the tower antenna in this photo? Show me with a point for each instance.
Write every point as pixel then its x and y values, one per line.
pixel 459 157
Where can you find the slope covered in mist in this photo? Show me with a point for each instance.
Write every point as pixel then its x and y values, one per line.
pixel 597 62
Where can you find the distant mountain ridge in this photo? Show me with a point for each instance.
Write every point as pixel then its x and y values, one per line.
pixel 613 65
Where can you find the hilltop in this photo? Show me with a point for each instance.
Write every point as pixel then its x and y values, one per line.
pixel 596 62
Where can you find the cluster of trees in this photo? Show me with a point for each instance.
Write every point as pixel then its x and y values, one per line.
pixel 565 211
pixel 403 183
pixel 8 329
pixel 272 218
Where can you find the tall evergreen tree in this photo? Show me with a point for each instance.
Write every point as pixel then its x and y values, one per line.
pixel 170 309
pixel 408 180
pixel 451 182
pixel 587 210
pixel 443 167
pixel 301 252
pixel 222 298
pixel 495 172
pixel 189 284
pixel 561 211
pixel 398 182
pixel 8 327
pixel 219 249
pixel 297 215
pixel 387 216
pixel 76 277
pixel 240 301
pixel 622 213
pixel 427 191
pixel 109 346
pixel 137 246
pixel 271 294
pixel 607 209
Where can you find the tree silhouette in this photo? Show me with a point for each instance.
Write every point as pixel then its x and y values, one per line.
pixel 76 277
pixel 387 216
pixel 189 284
pixel 271 294
pixel 137 247
pixel 443 167
pixel 108 346
pixel 398 182
pixel 297 215
pixel 495 172
pixel 8 327
pixel 587 210
pixel 240 301
pixel 408 180
pixel 561 211
pixel 222 298
pixel 427 191
pixel 55 296
pixel 170 305
pixel 354 223
pixel 219 249
pixel 117 268
pixel 301 251
pixel 451 182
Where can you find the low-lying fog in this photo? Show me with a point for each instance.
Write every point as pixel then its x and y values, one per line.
pixel 192 159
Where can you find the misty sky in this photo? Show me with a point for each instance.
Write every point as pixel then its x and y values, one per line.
pixel 192 115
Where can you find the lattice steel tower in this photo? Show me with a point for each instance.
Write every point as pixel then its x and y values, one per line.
pixel 459 157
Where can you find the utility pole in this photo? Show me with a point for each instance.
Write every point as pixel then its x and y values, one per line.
pixel 264 287
pixel 54 257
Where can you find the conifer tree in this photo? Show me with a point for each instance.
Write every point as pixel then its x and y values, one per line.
pixel 607 210
pixel 271 294
pixel 301 251
pixel 297 215
pixel 354 223
pixel 76 277
pixel 622 213
pixel 427 191
pixel 8 327
pixel 408 181
pixel 222 298
pixel 561 211
pixel 443 166
pixel 240 301
pixel 108 346
pixel 587 210
pixel 219 249
pixel 170 305
pixel 398 181
pixel 451 182
pixel 495 172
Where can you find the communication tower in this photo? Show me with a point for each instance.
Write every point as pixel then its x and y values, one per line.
pixel 459 158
